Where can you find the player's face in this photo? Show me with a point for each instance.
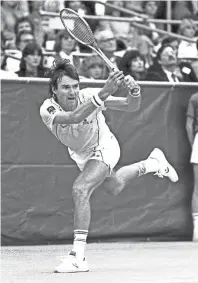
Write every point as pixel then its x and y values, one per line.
pixel 67 93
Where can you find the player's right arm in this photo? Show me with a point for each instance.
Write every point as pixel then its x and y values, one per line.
pixel 86 108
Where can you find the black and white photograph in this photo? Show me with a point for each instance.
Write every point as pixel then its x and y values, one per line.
pixel 99 135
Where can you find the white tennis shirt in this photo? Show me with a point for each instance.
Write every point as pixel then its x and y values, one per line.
pixel 77 137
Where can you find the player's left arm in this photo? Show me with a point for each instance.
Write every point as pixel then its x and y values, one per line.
pixel 130 103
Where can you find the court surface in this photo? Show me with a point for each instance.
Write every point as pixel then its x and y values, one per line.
pixel 152 262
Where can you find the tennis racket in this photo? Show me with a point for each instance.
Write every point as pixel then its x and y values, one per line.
pixel 80 30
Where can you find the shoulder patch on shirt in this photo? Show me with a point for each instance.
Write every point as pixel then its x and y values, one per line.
pixel 51 109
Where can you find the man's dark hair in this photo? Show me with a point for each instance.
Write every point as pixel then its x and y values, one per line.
pixel 60 69
pixel 168 40
pixel 22 20
pixel 18 37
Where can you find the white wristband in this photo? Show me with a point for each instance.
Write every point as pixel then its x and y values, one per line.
pixel 97 101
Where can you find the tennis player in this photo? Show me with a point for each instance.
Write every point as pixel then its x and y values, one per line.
pixel 75 117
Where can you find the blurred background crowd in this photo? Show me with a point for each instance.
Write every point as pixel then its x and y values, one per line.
pixel 31 38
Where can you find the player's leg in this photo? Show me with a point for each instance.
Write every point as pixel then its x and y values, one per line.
pixel 93 174
pixel 195 203
pixel 155 163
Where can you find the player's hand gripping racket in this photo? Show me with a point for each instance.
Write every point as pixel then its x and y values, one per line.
pixel 81 31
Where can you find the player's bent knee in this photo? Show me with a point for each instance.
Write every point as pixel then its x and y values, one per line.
pixel 113 186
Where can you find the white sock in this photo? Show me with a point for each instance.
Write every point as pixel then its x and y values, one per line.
pixel 79 244
pixel 148 166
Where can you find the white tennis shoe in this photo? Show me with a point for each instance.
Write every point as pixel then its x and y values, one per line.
pixel 71 265
pixel 165 168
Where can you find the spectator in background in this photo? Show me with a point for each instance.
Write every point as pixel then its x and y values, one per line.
pixel 166 67
pixel 23 38
pixel 52 5
pixel 12 58
pixel 146 48
pixel 77 6
pixel 187 49
pixel 11 11
pixel 36 19
pixel 31 64
pixel 93 67
pixel 22 24
pixel 133 63
pixel 150 9
pixel 120 29
pixel 133 5
pixel 108 44
pixel 64 47
pixel 192 133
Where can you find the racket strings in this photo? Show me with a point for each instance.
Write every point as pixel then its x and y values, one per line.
pixel 78 28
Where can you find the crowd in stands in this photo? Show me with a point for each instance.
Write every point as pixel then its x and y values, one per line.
pixel 29 45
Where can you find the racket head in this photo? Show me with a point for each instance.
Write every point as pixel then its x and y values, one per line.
pixel 77 27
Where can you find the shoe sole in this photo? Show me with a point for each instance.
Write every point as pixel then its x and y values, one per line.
pixel 55 271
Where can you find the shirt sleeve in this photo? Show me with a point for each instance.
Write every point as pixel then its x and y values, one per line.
pixel 48 112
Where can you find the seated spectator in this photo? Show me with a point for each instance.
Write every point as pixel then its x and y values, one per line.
pixel 187 49
pixel 109 45
pixel 23 38
pixel 36 18
pixel 93 67
pixel 11 11
pixel 133 63
pixel 12 57
pixel 135 6
pixel 52 6
pixel 31 64
pixel 166 67
pixel 150 9
pixel 120 29
pixel 64 47
pixel 146 48
pixel 77 6
pixel 22 24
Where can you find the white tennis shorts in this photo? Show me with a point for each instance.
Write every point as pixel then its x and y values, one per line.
pixel 194 154
pixel 108 151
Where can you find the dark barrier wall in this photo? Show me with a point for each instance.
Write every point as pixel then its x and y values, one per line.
pixel 37 173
